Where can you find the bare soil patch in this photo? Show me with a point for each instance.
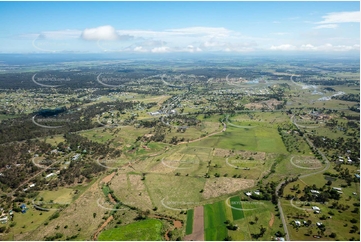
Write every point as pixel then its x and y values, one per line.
pixel 95 237
pixel 216 187
pixel 177 224
pixel 270 223
pixel 108 178
pixel 198 225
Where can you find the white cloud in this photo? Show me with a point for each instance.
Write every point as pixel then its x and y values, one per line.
pixel 308 47
pixel 100 33
pixel 163 49
pixel 191 48
pixel 325 47
pixel 283 47
pixel 341 17
pixel 326 26
pixel 139 49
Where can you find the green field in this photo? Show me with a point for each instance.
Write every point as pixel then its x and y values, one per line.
pixel 214 218
pixel 189 225
pixel 236 203
pixel 145 230
pixel 259 138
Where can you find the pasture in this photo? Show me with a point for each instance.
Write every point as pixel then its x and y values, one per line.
pixel 146 230
pixel 214 218
pixel 189 223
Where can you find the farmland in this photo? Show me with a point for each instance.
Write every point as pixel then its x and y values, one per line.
pixel 145 230
pixel 148 159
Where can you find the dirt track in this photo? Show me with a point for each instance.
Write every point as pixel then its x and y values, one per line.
pixel 198 226
pixel 95 237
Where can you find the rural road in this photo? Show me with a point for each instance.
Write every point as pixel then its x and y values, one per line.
pixel 306 175
pixel 281 212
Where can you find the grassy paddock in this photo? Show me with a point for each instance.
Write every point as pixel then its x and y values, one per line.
pixel 189 226
pixel 144 230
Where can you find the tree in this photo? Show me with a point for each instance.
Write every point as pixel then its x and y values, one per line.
pixel 256 219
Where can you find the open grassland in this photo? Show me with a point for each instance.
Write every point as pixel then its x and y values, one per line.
pixel 170 193
pixel 63 195
pixel 146 230
pixel 76 219
pixel 27 222
pixel 265 212
pixel 255 139
pixel 214 218
pixel 130 190
pixel 55 140
pixel 189 223
pixel 232 167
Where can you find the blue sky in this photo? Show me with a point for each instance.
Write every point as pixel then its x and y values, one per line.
pixel 194 27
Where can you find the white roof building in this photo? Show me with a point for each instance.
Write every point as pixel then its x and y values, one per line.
pixel 315 191
pixel 49 175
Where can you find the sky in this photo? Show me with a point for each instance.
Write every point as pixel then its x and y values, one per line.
pixel 174 27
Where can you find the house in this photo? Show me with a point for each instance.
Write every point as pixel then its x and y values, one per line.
pixel 257 192
pixel 32 185
pixel 315 192
pixel 315 208
pixel 318 224
pixel 298 223
pixel 23 208
pixel 279 239
pixel 357 176
pixel 49 175
pixel 248 193
pixel 4 219
pixel 154 113
pixel 75 157
pixel 337 188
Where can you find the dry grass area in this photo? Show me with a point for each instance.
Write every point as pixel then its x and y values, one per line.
pixel 216 187
pixel 75 219
pixel 108 178
pixel 248 154
pixel 244 155
pixel 131 190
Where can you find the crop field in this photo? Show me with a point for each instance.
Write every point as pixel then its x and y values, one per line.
pixel 214 218
pixel 189 223
pixel 237 212
pixel 149 229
